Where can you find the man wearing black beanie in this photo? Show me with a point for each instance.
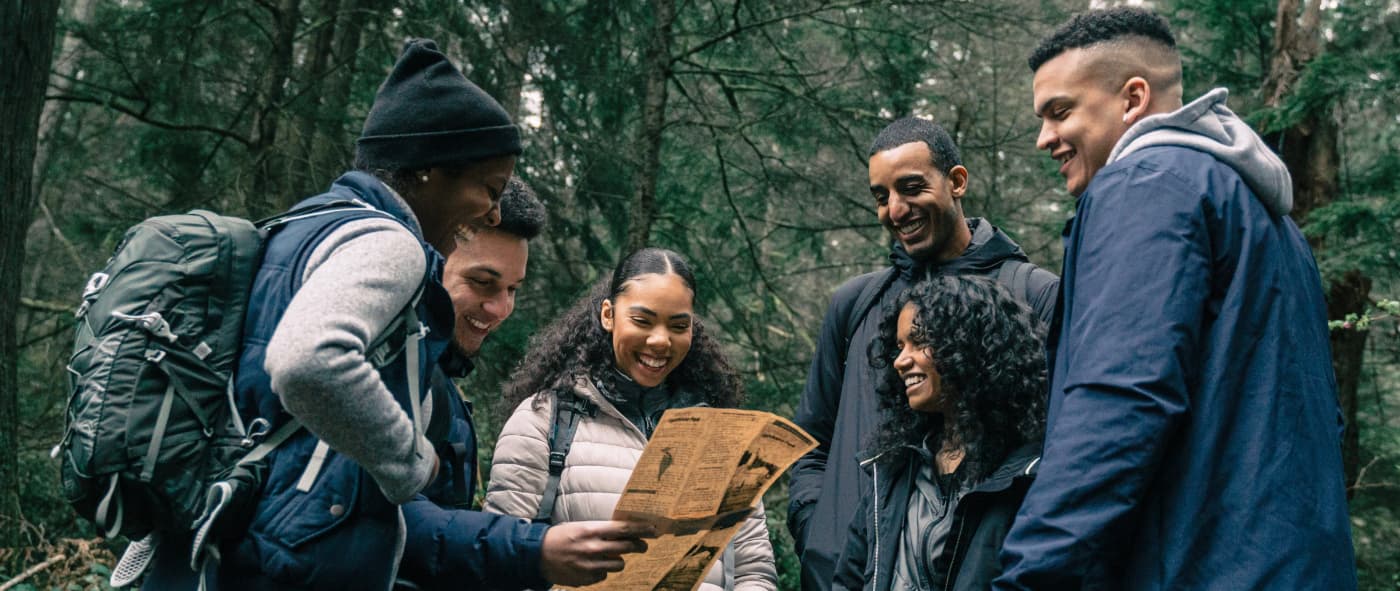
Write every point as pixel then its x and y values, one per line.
pixel 347 318
pixel 440 142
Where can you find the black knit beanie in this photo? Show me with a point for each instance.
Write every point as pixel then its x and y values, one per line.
pixel 427 114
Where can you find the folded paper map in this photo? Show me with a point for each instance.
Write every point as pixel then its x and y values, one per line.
pixel 699 477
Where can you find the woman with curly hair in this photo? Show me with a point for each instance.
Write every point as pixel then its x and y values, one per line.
pixel 630 350
pixel 963 401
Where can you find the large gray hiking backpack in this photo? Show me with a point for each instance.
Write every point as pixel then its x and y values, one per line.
pixel 153 432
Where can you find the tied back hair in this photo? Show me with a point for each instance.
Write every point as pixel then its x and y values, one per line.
pixel 991 364
pixel 575 344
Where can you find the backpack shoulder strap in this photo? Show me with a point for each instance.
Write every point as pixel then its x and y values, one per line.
pixel 568 410
pixel 441 388
pixel 1015 276
pixel 1021 282
pixel 312 210
pixel 875 284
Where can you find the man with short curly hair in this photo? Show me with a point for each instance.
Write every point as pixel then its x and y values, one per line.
pixel 1193 436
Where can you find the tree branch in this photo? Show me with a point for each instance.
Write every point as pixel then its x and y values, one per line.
pixel 44 306
pixel 31 571
pixel 743 28
pixel 142 117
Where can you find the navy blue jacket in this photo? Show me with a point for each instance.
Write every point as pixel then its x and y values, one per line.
pixel 1193 426
pixel 839 408
pixel 448 542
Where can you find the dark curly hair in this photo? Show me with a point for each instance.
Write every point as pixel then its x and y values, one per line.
pixel 522 214
pixel 1099 26
pixel 989 356
pixel 576 344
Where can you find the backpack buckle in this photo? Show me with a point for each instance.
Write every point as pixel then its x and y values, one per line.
pixel 556 462
pixel 95 284
pixel 583 407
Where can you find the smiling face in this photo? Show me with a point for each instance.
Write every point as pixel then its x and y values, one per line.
pixel 1081 115
pixel 482 275
pixel 650 323
pixel 919 204
pixel 922 384
pixel 449 199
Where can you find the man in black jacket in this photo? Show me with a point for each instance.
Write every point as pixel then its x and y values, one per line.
pixel 917 180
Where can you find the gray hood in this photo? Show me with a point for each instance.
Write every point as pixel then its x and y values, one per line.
pixel 1206 124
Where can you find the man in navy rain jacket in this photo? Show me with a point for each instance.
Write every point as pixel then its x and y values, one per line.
pixel 1193 429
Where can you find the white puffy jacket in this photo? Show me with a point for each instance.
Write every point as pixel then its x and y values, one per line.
pixel 604 451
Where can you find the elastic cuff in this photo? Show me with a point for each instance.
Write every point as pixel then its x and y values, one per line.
pixel 417 479
pixel 532 552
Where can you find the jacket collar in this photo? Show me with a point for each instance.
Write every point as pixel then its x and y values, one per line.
pixel 1022 462
pixel 363 186
pixel 1206 124
pixel 985 253
pixel 455 364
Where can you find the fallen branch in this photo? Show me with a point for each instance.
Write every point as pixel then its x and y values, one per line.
pixel 31 571
pixel 44 306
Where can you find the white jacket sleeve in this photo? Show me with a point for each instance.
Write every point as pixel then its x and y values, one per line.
pixel 520 464
pixel 754 566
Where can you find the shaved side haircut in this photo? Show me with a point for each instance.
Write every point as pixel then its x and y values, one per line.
pixel 1127 41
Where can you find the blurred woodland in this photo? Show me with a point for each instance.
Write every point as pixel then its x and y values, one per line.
pixel 733 132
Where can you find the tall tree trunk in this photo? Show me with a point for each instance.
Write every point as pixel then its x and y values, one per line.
pixel 656 62
pixel 334 143
pixel 69 54
pixel 308 176
pixel 269 182
pixel 515 52
pixel 1309 149
pixel 26 51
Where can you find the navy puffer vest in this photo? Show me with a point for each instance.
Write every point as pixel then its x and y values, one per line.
pixel 343 533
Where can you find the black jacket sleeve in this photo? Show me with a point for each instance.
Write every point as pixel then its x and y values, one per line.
pixel 821 399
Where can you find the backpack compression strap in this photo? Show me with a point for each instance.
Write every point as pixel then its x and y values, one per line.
pixel 568 410
pixel 452 454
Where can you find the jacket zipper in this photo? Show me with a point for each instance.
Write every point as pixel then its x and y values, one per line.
pixel 957 540
pixel 875 477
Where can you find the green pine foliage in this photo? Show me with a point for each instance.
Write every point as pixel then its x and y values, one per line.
pixel 167 105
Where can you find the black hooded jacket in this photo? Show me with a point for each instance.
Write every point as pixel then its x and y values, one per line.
pixel 839 408
pixel 981 518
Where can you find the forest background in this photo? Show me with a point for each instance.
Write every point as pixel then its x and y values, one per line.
pixel 732 131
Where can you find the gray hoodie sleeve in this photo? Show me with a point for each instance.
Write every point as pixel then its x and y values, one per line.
pixel 355 283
